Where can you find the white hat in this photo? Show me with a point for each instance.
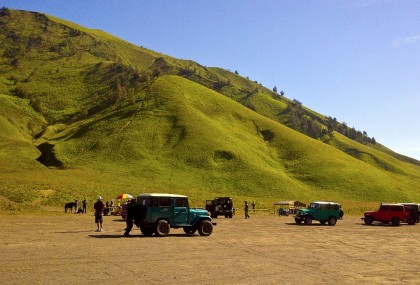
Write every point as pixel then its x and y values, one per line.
pixel 99 198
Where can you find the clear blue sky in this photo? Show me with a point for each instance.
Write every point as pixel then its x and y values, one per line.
pixel 356 60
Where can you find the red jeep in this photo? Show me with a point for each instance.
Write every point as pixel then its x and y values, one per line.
pixel 389 213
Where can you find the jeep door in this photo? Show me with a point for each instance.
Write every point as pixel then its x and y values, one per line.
pixel 160 208
pixel 322 213
pixel 384 214
pixel 180 211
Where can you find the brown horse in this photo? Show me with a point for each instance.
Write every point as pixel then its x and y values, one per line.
pixel 70 206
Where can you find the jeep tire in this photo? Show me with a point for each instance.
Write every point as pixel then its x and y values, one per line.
pixel 308 220
pixel 205 228
pixel 332 221
pixel 162 228
pixel 298 221
pixel 368 220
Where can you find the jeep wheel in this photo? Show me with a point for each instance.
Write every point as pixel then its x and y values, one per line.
pixel 411 221
pixel 395 222
pixel 322 222
pixel 205 228
pixel 368 220
pixel 189 230
pixel 308 220
pixel 162 228
pixel 146 230
pixel 298 221
pixel 332 221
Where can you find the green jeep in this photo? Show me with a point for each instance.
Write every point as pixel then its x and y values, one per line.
pixel 157 213
pixel 320 211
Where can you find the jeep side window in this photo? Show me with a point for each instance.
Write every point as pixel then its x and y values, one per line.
pixel 163 202
pixel 181 202
pixel 396 209
pixel 143 202
pixel 330 207
pixel 383 208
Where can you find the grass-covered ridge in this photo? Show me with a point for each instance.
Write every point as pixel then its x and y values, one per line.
pixel 110 117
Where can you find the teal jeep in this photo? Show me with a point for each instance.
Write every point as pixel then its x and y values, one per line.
pixel 157 213
pixel 320 211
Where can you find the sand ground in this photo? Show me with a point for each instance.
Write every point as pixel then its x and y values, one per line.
pixel 265 249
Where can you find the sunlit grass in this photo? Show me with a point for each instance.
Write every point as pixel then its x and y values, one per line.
pixel 175 135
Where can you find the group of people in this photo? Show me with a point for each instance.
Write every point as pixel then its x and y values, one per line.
pixel 82 209
pixel 133 212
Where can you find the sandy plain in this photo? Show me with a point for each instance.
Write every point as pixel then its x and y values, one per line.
pixel 265 249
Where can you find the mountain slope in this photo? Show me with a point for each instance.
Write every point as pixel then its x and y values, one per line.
pixel 84 113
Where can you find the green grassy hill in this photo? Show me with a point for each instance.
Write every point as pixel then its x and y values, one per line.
pixel 83 113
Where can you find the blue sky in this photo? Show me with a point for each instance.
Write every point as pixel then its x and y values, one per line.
pixel 355 60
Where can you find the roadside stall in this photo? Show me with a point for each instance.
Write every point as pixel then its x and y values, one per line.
pixel 285 208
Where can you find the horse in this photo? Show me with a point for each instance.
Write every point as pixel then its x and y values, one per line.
pixel 70 206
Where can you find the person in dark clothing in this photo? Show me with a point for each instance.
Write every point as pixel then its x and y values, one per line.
pixel 84 206
pixel 341 213
pixel 99 212
pixel 246 210
pixel 132 216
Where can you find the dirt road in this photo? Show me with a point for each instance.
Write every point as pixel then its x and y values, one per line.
pixel 264 249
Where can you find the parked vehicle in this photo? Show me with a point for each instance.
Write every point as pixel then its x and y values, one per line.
pixel 221 206
pixel 157 213
pixel 389 213
pixel 320 211
pixel 414 210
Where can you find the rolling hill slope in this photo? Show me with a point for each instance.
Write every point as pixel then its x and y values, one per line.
pixel 84 113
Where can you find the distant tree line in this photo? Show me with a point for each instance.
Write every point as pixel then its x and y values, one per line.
pixel 351 133
pixel 313 126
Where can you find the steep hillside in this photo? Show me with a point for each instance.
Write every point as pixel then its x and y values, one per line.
pixel 84 113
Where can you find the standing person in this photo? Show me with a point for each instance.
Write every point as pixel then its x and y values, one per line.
pixel 253 206
pixel 132 208
pixel 246 210
pixel 76 205
pixel 84 206
pixel 99 212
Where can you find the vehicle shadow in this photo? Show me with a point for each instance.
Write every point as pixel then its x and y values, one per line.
pixel 305 225
pixel 142 236
pixel 384 225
